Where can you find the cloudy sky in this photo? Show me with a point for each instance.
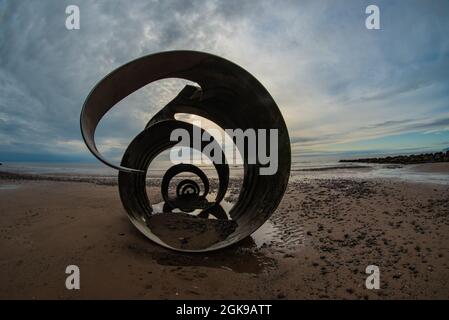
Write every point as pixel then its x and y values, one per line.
pixel 341 88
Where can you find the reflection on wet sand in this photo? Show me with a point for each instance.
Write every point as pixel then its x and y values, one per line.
pixel 241 258
pixel 188 232
pixel 244 257
pixel 8 186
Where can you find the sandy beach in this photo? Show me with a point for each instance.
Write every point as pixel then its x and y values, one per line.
pixel 315 246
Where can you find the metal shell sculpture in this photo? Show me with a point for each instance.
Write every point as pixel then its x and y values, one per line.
pixel 228 96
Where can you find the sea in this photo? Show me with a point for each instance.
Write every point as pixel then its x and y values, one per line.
pixel 308 168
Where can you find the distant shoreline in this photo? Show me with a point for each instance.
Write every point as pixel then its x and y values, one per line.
pixel 423 172
pixel 98 180
pixel 436 157
pixel 27 176
pixel 332 168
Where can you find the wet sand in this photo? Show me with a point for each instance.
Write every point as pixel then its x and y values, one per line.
pixel 317 245
pixel 442 167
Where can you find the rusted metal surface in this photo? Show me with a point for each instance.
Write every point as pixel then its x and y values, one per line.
pixel 228 96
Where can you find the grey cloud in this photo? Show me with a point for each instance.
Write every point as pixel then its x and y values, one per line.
pixel 388 123
pixel 373 131
pixel 314 57
pixel 47 71
pixel 409 125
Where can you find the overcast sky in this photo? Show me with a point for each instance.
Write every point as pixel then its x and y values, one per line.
pixel 340 87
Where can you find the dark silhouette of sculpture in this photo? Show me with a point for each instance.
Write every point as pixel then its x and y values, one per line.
pixel 228 96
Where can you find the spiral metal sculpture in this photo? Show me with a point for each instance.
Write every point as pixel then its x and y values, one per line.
pixel 228 96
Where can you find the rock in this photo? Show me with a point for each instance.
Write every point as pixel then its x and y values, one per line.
pixel 410 159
